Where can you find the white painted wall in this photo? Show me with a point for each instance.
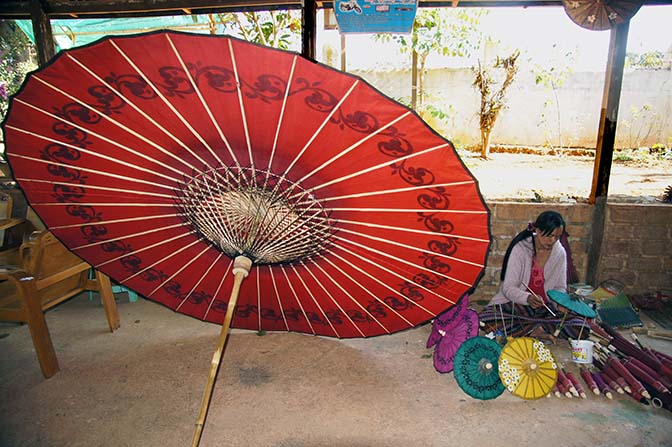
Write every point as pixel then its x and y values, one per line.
pixel 521 124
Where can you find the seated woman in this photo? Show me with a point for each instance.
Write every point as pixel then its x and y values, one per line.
pixel 535 262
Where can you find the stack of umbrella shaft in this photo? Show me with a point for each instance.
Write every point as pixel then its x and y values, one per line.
pixel 569 385
pixel 643 373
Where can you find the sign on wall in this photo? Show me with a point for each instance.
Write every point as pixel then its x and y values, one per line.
pixel 375 16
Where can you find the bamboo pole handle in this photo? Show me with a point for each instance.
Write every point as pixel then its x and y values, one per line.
pixel 241 268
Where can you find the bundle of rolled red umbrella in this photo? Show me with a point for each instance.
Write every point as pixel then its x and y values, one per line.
pixel 630 368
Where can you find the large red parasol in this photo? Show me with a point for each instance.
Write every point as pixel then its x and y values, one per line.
pixel 160 158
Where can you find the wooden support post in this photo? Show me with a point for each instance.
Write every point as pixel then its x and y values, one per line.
pixel 107 297
pixel 414 80
pixel 344 58
pixel 37 325
pixel 611 97
pixel 44 38
pixel 604 150
pixel 308 28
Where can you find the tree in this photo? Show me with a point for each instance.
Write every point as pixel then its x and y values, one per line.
pixel 278 29
pixel 552 76
pixel 17 58
pixel 651 60
pixel 492 98
pixel 447 32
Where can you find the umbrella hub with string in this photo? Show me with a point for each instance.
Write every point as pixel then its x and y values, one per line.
pixel 260 215
pixel 485 365
pixel 255 217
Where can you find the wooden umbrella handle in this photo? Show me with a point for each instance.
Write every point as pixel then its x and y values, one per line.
pixel 241 268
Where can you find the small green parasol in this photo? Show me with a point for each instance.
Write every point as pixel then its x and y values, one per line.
pixel 572 302
pixel 475 368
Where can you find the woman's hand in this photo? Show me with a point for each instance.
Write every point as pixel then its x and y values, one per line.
pixel 534 301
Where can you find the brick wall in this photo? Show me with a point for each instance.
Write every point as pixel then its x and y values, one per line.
pixel 637 244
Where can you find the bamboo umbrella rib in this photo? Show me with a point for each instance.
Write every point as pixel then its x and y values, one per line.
pixel 181 269
pixel 302 235
pixel 88 152
pixel 393 273
pixel 277 297
pixel 527 350
pixel 306 241
pixel 410 247
pixel 521 352
pixel 303 241
pixel 159 261
pixel 296 298
pixel 387 286
pixel 229 230
pixel 516 353
pixel 403 261
pixel 319 129
pixel 213 225
pixel 128 236
pixel 395 191
pixel 216 294
pixel 101 188
pixel 357 303
pixel 408 230
pixel 310 292
pixel 405 210
pixel 113 121
pixel 145 248
pixel 272 213
pixel 98 172
pixel 242 107
pixel 184 121
pixel 523 384
pixel 114 221
pixel 253 208
pixel 200 280
pixel 546 371
pixel 352 299
pixel 170 204
pixel 328 293
pixel 206 107
pixel 352 147
pixel 282 116
pixel 109 141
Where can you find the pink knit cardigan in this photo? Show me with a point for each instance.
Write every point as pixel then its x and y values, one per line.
pixel 519 268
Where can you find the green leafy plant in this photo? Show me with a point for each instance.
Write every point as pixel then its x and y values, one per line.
pixel 440 31
pixel 651 60
pixel 17 58
pixel 643 122
pixel 277 29
pixel 552 76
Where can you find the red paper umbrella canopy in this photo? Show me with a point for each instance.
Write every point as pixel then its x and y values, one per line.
pixel 159 158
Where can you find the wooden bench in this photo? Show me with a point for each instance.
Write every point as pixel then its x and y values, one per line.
pixel 46 275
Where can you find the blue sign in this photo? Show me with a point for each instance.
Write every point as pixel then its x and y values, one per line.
pixel 375 16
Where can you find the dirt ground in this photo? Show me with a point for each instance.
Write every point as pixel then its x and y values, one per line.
pixel 142 386
pixel 563 177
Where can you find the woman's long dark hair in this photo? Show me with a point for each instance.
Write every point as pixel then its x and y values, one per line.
pixel 546 223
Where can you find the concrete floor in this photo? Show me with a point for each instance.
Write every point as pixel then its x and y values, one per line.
pixel 143 384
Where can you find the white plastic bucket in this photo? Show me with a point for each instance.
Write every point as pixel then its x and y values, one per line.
pixel 582 351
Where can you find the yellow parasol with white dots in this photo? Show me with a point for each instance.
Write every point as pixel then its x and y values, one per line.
pixel 527 368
